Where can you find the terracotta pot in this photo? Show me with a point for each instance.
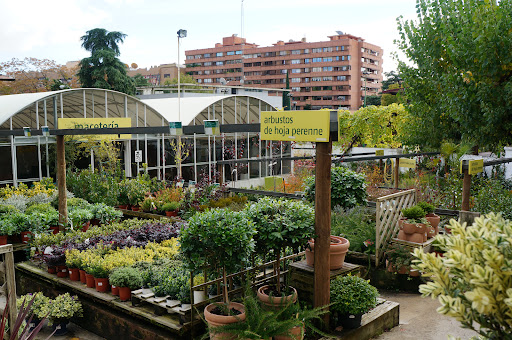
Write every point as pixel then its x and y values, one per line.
pixel 114 290
pixel 95 221
pixel 125 293
pixel 135 208
pixel 275 301
pixel 62 271
pixel 89 280
pixel 26 236
pixel 102 284
pixel 414 273
pixel 3 240
pixel 431 232
pixel 215 320
pixel 390 268
pixel 52 269
pixel 410 228
pixel 433 219
pixel 82 276
pixel 337 251
pixel 74 274
pixel 54 229
pixel 416 238
pixel 296 333
pixel 173 213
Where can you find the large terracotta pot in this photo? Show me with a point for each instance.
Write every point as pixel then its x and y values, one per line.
pixel 125 293
pixel 390 268
pixel 434 220
pixel 3 240
pixel 102 284
pixel 89 280
pixel 337 252
pixel 82 276
pixel 54 229
pixel 215 320
pixel 26 236
pixel 173 213
pixel 114 290
pixel 74 274
pixel 275 301
pixel 86 226
pixel 52 269
pixel 296 333
pixel 62 271
pixel 413 232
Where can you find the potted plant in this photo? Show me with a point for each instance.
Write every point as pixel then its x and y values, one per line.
pixel 137 190
pixel 60 310
pixel 351 297
pixel 7 228
pixel 431 217
pixel 150 205
pixel 414 227
pixel 105 214
pixel 220 239
pixel 126 279
pixel 38 301
pixel 79 218
pixel 398 259
pixel 123 199
pixel 73 262
pixel 171 208
pixel 280 224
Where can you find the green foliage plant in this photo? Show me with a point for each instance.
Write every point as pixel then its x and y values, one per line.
pixel 171 206
pixel 348 188
pixel 398 257
pixel 62 308
pixel 280 224
pixel 427 207
pixel 414 214
pixel 457 73
pixel 352 295
pixel 126 277
pixel 39 300
pixel 7 227
pixel 218 238
pixel 472 281
pixel 356 224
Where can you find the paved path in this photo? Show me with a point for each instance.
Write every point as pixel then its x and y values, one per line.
pixel 420 321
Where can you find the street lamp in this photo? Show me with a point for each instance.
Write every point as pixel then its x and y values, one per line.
pixel 181 34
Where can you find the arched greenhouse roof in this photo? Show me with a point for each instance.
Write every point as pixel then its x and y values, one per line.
pixel 38 109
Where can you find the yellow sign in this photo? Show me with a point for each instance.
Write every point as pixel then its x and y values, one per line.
pixel 97 123
pixel 407 163
pixel 300 126
pixel 475 166
pixel 379 152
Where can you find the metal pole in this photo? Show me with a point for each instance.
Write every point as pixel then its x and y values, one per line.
pixel 61 177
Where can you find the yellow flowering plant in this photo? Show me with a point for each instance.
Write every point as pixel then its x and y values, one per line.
pixel 62 308
pixel 473 280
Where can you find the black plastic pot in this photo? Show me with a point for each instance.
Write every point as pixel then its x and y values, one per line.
pixel 350 321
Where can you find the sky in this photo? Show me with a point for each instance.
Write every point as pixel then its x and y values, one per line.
pixel 52 29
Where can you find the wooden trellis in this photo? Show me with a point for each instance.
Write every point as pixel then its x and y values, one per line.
pixel 388 213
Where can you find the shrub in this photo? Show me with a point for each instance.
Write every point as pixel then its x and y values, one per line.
pixel 472 281
pixel 492 196
pixel 348 188
pixel 352 295
pixel 356 224
pixel 413 213
pixel 171 206
pixel 427 207
pixel 126 277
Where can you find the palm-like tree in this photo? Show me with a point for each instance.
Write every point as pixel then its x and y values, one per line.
pixel 101 39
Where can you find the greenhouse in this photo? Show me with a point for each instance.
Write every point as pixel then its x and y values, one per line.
pixel 32 157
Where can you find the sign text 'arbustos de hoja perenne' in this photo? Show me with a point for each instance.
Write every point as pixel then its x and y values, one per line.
pixel 97 123
pixel 298 126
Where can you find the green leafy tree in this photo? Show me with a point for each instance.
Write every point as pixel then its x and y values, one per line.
pixel 103 69
pixel 459 83
pixel 185 78
pixel 286 97
pixel 373 100
pixel 139 80
pixel 391 78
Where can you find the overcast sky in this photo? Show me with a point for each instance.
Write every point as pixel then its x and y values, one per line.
pixel 52 29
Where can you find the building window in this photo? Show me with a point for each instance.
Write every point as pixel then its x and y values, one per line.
pixel 340 48
pixel 284 71
pixel 190 57
pixel 316 50
pixel 327 78
pixel 207 55
pixel 230 53
pixel 199 81
pixel 306 51
pixel 316 78
pixel 327 59
pixel 306 70
pixel 295 51
pixel 207 80
pixel 316 69
pixel 327 68
pixel 327 49
pixel 167 75
pixel 295 80
pixel 208 63
pixel 305 80
pixel 296 89
pixel 296 70
pixel 207 71
pixel 238 52
pixel 218 63
pixel 219 54
pixel 317 60
pixel 283 52
pixel 295 61
pixel 306 61
pixel 341 78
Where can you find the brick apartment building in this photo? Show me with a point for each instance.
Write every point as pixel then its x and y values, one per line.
pixel 157 75
pixel 326 74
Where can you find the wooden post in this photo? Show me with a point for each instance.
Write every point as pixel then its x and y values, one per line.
pixel 61 182
pixel 10 283
pixel 466 187
pixel 221 174
pixel 397 172
pixel 322 225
